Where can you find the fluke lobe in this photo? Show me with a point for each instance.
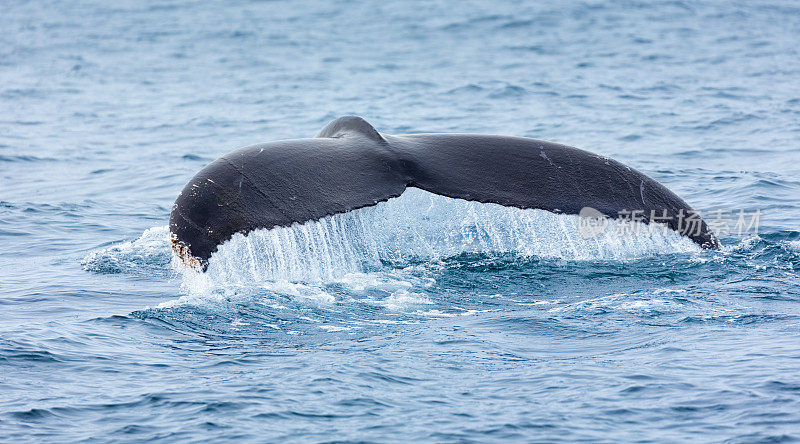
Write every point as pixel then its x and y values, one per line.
pixel 349 165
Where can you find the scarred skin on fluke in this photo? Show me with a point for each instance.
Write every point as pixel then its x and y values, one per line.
pixel 350 165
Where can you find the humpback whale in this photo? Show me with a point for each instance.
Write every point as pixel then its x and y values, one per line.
pixel 350 165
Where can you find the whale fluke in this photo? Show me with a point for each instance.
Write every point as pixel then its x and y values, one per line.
pixel 350 165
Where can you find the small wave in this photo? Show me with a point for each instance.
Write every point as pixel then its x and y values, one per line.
pixel 150 252
pixel 26 158
pixel 510 91
pixel 465 89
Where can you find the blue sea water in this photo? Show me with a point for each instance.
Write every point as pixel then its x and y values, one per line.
pixel 423 318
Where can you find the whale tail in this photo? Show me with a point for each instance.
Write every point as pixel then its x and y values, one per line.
pixel 350 165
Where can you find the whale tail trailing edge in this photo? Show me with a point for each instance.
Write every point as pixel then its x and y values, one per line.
pixel 350 165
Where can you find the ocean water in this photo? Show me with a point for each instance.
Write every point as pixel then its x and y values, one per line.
pixel 423 318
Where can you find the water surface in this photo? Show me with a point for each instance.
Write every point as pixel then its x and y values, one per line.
pixel 423 318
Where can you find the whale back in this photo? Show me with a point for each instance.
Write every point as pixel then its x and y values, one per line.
pixel 350 126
